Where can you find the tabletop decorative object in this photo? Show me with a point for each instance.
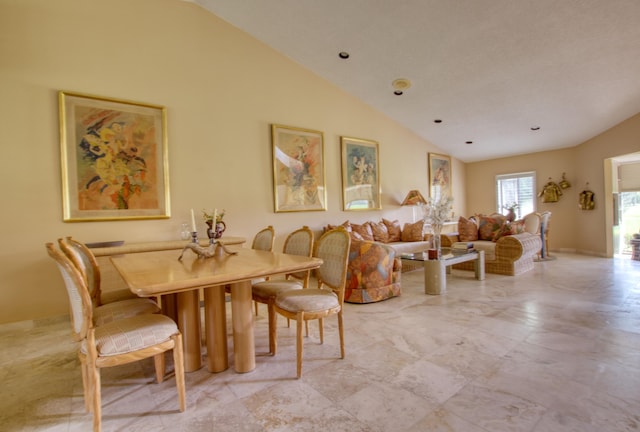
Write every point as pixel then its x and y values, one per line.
pixel 220 226
pixel 435 213
pixel 215 249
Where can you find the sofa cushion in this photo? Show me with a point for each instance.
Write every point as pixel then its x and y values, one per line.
pixel 488 226
pixel 410 247
pixel 380 231
pixel 467 229
pixel 364 230
pixel 488 247
pixel 394 229
pixel 413 232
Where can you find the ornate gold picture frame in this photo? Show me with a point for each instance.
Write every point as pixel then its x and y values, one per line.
pixel 439 176
pixel 113 158
pixel 360 174
pixel 298 169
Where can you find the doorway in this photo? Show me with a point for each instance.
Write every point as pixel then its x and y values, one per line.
pixel 628 218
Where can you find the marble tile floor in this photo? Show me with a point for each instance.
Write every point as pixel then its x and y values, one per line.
pixel 556 349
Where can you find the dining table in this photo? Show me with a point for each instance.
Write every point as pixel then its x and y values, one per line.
pixel 162 274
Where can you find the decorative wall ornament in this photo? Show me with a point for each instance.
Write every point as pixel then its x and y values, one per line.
pixel 114 159
pixel 439 176
pixel 587 199
pixel 298 169
pixel 564 184
pixel 360 174
pixel 551 192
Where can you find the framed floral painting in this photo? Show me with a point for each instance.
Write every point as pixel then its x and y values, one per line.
pixel 439 176
pixel 360 174
pixel 298 169
pixel 113 158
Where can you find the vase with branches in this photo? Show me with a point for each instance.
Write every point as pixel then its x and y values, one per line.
pixel 434 214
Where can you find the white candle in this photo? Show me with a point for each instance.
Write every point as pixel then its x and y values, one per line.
pixel 215 216
pixel 193 222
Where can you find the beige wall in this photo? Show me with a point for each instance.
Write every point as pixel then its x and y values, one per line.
pixel 572 229
pixel 222 90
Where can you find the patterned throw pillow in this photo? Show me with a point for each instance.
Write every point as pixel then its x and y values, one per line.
pixel 488 226
pixel 518 227
pixel 504 230
pixel 345 224
pixel 412 232
pixel 355 236
pixel 364 230
pixel 467 229
pixel 394 229
pixel 380 231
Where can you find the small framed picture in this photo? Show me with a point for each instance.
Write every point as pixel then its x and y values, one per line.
pixel 360 174
pixel 439 176
pixel 298 169
pixel 114 159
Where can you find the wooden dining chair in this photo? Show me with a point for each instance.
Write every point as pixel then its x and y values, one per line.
pixel 104 312
pixel 116 343
pixel 299 242
pixel 263 240
pixel 310 304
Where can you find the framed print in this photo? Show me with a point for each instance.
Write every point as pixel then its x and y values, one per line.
pixel 113 158
pixel 360 174
pixel 298 169
pixel 439 176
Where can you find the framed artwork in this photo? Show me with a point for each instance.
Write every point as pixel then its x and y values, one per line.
pixel 360 174
pixel 439 176
pixel 298 169
pixel 114 159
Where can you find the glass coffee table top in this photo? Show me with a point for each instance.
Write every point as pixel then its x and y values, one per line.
pixel 446 254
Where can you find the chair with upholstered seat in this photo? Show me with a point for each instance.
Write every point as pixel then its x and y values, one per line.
pixel 264 239
pixel 116 343
pixel 127 305
pixel 299 242
pixel 303 305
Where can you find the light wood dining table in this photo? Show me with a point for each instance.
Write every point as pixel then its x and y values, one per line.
pixel 159 273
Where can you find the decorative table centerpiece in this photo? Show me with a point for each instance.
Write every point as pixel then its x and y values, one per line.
pixel 435 213
pixel 214 232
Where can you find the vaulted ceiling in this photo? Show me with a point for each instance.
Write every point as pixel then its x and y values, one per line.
pixel 509 76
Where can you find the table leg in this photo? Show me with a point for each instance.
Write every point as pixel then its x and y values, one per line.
pixel 435 277
pixel 242 321
pixel 478 265
pixel 170 306
pixel 215 325
pixel 188 305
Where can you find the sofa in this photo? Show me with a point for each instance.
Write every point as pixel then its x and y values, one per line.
pixel 509 246
pixel 374 267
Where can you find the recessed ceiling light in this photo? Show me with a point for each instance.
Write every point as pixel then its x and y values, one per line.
pixel 397 93
pixel 535 128
pixel 343 55
pixel 468 142
pixel 437 121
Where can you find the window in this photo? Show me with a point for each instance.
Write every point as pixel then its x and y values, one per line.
pixel 516 188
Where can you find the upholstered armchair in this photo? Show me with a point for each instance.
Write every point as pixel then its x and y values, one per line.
pixel 373 272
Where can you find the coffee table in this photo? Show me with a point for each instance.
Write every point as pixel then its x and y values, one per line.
pixel 435 271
